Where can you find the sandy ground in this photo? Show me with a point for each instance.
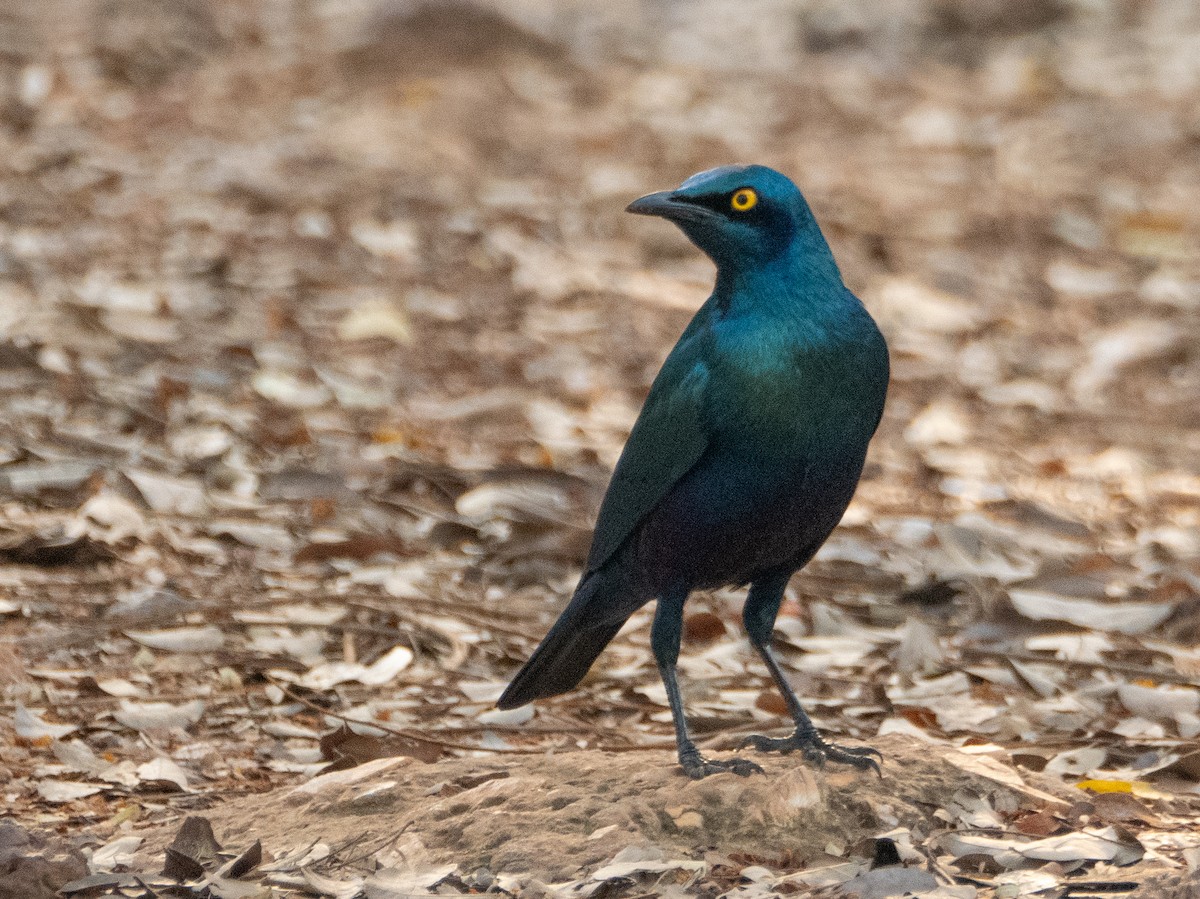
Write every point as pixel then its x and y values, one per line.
pixel 551 818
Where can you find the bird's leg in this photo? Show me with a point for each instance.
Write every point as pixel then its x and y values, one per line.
pixel 762 606
pixel 664 639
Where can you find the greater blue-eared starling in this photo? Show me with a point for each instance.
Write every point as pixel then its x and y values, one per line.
pixel 745 454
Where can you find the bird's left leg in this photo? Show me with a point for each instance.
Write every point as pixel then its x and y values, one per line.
pixel 762 606
pixel 664 640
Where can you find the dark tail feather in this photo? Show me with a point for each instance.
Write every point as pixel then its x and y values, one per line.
pixel 586 626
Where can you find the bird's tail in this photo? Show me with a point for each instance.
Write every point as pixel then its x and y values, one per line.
pixel 600 606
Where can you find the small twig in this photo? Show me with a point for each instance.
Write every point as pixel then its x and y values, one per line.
pixel 396 732
pixel 1158 674
pixel 465 747
pixel 451 606
pixel 389 841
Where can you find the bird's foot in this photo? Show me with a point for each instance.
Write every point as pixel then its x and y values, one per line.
pixel 696 766
pixel 817 752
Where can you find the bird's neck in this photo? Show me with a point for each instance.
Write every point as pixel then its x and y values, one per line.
pixel 803 281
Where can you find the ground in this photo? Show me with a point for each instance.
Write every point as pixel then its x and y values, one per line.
pixel 321 327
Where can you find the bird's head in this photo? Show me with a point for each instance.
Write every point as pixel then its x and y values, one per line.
pixel 741 216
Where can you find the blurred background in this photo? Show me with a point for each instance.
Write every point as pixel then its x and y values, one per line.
pixel 311 300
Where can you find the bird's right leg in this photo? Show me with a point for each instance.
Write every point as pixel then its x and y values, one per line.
pixel 762 606
pixel 664 640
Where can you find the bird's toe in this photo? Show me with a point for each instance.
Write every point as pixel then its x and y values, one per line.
pixel 742 767
pixel 763 743
pixel 861 758
pixel 817 752
pixel 697 766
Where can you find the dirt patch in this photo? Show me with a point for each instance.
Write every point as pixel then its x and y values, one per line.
pixel 554 817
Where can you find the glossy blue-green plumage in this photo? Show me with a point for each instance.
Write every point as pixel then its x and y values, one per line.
pixel 749 445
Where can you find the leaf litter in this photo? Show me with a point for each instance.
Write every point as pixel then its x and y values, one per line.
pixel 314 366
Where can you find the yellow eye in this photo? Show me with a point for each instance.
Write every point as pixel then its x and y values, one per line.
pixel 743 200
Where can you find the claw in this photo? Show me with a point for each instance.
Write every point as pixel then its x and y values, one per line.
pixel 817 752
pixel 697 766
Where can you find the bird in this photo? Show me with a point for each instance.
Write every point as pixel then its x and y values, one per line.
pixel 743 459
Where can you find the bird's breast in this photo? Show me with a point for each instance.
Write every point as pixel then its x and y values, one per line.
pixel 776 390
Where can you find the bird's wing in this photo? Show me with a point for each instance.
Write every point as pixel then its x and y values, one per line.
pixel 668 438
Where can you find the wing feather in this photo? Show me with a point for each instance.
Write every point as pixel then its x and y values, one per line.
pixel 667 440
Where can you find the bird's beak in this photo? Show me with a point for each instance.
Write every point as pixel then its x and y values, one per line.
pixel 666 204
